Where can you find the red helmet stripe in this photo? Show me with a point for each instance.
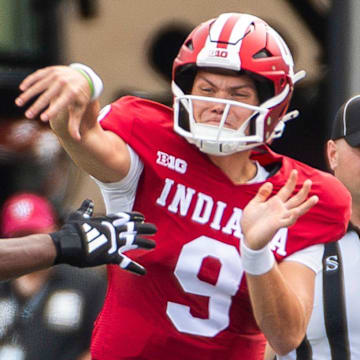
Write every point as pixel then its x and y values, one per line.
pixel 226 32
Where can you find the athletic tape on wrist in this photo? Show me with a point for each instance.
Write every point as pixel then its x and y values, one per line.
pixel 87 77
pixel 257 262
pixel 95 83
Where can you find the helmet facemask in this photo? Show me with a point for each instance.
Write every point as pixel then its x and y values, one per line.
pixel 247 45
pixel 218 139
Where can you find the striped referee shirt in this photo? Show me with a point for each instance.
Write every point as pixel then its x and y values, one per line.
pixel 334 329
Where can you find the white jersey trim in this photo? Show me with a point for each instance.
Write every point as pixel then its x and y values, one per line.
pixel 120 196
pixel 261 174
pixel 310 257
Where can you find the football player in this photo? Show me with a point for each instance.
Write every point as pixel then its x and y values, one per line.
pixel 235 258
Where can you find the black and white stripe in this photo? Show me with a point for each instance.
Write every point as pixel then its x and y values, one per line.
pixel 94 238
pixel 334 329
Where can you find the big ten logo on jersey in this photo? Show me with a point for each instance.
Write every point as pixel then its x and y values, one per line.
pixel 208 211
pixel 171 162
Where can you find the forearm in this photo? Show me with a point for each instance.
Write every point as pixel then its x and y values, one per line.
pixel 279 312
pixel 99 153
pixel 67 98
pixel 281 295
pixel 19 256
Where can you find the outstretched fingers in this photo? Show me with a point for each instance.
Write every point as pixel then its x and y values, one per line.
pixel 47 93
pixel 300 196
pixel 135 268
pixel 136 216
pixel 58 89
pixel 144 243
pixel 145 228
pixel 306 206
pixel 132 235
pixel 286 191
pixel 86 208
pixel 127 264
pixel 263 193
pixel 33 78
pixel 299 205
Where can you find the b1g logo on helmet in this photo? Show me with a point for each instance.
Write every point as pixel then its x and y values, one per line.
pixel 221 53
pixel 171 162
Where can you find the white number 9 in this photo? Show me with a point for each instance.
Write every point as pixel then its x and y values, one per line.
pixel 228 282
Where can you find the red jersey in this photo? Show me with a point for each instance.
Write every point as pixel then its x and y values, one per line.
pixel 193 302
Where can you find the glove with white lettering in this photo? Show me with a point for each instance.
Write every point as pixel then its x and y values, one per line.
pixel 86 241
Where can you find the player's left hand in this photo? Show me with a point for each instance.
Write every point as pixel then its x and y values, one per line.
pixel 86 241
pixel 264 215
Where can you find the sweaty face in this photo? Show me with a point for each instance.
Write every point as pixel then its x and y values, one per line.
pixel 229 86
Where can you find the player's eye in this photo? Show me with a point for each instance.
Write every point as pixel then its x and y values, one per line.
pixel 207 90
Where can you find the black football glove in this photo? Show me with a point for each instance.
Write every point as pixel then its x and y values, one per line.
pixel 86 241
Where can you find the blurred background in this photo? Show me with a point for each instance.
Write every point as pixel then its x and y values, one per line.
pixel 131 44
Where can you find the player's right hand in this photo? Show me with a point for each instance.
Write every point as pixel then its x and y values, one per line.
pixel 56 90
pixel 87 241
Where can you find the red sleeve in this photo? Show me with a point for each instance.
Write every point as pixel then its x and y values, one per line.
pixel 328 220
pixel 128 110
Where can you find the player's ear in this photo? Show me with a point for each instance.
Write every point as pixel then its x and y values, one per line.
pixel 332 154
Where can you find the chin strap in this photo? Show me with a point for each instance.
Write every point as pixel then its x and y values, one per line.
pixel 280 127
